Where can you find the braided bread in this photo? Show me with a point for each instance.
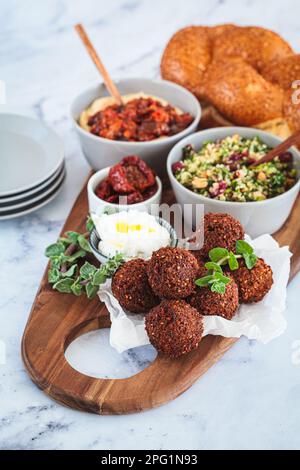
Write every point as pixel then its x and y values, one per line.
pixel 236 90
pixel 242 72
pixel 186 57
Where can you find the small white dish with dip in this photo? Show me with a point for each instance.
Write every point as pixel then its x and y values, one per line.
pixel 134 234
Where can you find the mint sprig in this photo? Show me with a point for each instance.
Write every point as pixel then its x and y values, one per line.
pixel 70 271
pixel 246 251
pixel 215 279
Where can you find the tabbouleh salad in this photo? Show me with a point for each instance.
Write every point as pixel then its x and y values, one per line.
pixel 221 170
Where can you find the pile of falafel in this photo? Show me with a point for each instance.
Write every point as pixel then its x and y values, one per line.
pixel 164 288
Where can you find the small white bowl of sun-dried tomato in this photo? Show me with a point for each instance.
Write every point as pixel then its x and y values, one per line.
pixel 130 184
pixel 154 116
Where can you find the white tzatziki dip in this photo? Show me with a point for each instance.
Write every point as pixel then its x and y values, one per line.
pixel 134 234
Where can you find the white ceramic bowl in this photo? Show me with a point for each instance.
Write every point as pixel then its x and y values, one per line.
pixel 97 205
pixel 257 217
pixel 101 152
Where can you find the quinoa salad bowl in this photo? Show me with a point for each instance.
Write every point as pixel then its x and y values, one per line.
pixel 210 168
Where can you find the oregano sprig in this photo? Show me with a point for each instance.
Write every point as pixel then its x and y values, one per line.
pixel 215 279
pixel 70 271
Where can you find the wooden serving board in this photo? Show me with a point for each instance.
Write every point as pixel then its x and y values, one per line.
pixel 57 319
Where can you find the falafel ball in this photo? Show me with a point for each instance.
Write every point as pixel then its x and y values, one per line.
pixel 202 270
pixel 131 288
pixel 255 283
pixel 224 305
pixel 201 260
pixel 172 273
pixel 174 327
pixel 220 230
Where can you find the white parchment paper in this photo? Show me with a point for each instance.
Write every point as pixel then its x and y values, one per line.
pixel 262 321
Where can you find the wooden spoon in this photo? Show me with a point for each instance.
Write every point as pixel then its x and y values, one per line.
pixel 283 147
pixel 111 87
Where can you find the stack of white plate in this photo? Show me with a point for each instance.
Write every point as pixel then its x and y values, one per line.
pixel 32 168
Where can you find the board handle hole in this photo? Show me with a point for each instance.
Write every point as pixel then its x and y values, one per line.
pixel 88 351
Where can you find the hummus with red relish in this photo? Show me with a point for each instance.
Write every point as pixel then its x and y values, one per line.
pixel 140 118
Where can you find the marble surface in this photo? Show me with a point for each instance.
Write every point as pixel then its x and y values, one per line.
pixel 250 399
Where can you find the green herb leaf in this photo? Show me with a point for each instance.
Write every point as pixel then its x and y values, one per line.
pixel 71 271
pixel 76 288
pixel 65 240
pixel 210 265
pixel 91 290
pixel 221 278
pixel 56 261
pixel 71 280
pixel 72 236
pixel 99 277
pixel 218 287
pixel 84 244
pixel 75 256
pixel 217 254
pixel 89 224
pixel 107 270
pixel 64 285
pixel 250 260
pixel 114 263
pixel 87 270
pixel 232 261
pixel 53 275
pixel 55 249
pixel 204 281
pixel 243 247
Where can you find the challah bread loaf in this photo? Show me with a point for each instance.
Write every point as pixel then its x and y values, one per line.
pixel 271 45
pixel 241 94
pixel 239 73
pixel 238 42
pixel 257 46
pixel 186 58
pixel 283 72
pixel 291 108
pixel 187 55
pixel 215 31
